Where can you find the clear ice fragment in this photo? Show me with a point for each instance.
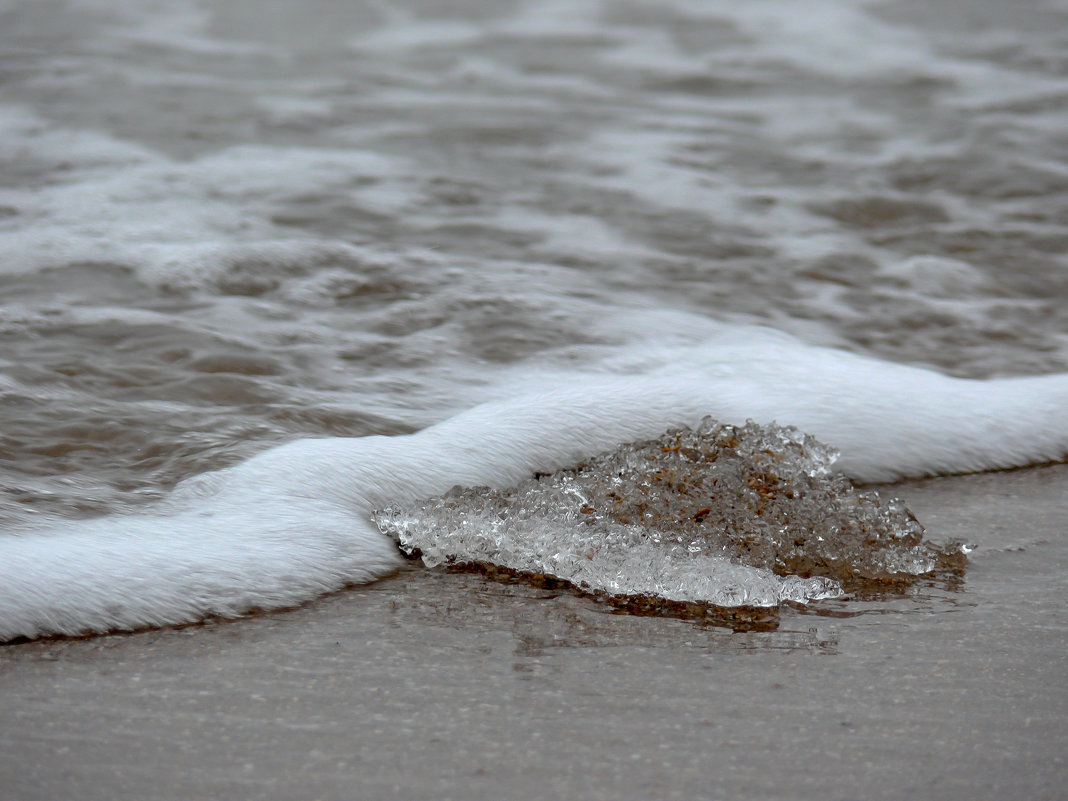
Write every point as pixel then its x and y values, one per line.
pixel 728 516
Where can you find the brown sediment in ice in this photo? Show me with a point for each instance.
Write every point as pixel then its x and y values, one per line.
pixel 702 523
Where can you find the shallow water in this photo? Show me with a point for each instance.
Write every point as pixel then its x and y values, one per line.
pixel 222 229
pixel 225 226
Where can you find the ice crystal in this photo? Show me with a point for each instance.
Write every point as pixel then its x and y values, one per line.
pixel 723 515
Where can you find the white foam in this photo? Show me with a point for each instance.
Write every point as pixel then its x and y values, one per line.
pixel 653 51
pixel 572 233
pixel 833 37
pixel 404 33
pixel 937 277
pixel 171 24
pixel 122 203
pixel 560 19
pixel 294 521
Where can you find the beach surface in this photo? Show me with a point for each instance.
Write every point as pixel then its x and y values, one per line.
pixel 222 231
pixel 440 686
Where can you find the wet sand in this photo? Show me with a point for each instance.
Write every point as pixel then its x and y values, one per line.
pixel 441 686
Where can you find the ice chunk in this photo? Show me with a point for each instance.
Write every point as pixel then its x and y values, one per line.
pixel 721 516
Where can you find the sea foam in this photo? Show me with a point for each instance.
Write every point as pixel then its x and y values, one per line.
pixel 295 521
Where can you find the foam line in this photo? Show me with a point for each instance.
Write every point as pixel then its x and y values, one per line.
pixel 294 522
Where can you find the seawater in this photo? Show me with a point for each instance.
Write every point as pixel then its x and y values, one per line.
pixel 223 229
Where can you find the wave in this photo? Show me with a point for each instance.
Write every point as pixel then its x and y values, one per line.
pixel 295 521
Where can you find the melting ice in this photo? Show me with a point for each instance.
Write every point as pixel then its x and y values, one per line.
pixel 721 516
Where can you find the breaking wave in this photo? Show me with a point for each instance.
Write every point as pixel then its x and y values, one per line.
pixel 294 521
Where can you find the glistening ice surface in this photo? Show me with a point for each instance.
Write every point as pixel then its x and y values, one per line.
pixel 722 515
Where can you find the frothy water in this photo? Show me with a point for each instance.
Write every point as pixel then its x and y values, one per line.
pixel 223 231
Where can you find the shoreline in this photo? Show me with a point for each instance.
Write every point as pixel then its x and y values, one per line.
pixel 441 685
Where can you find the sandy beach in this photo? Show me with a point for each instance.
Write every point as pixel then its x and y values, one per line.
pixel 442 686
pixel 227 226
